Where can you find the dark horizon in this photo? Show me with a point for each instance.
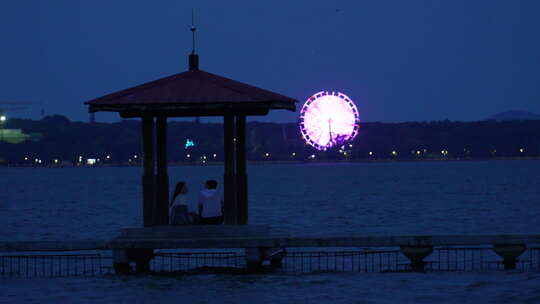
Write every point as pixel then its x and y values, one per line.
pixel 512 115
pixel 57 138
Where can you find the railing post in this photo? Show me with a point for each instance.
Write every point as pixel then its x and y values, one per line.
pixel 276 255
pixel 254 258
pixel 123 256
pixel 509 253
pixel 416 255
pixel 121 261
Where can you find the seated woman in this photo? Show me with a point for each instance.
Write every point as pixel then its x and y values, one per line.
pixel 179 210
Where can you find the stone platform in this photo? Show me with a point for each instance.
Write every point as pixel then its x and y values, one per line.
pixel 138 244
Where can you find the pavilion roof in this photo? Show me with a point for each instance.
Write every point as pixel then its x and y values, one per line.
pixel 192 93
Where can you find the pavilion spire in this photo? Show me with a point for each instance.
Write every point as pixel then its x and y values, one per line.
pixel 193 57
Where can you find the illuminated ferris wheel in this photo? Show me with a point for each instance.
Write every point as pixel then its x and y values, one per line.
pixel 328 119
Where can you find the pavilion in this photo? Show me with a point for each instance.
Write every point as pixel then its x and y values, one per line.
pixel 192 93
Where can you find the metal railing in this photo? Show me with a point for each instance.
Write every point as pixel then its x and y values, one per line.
pixel 478 259
pixel 464 259
pixel 196 261
pixel 343 261
pixel 54 265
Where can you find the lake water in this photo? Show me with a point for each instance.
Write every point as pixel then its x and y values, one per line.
pixel 480 197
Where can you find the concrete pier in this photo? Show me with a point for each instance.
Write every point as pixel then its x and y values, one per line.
pixel 140 256
pixel 256 256
pixel 181 237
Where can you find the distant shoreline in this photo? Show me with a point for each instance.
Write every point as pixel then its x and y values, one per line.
pixel 277 162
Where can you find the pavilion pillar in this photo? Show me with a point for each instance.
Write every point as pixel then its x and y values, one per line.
pixel 162 178
pixel 241 172
pixel 229 177
pixel 148 180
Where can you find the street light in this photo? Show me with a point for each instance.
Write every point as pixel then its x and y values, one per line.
pixel 3 118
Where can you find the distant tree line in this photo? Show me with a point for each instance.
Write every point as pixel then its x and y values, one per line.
pixel 63 140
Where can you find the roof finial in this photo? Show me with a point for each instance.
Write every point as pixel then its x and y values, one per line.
pixel 193 58
pixel 193 29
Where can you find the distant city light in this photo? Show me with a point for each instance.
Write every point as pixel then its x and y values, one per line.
pixel 188 156
pixel 444 152
pixel 26 158
pixel 3 118
pixel 293 154
pixel 135 156
pixel 189 143
pixel 91 161
pixel 267 154
pixel 56 161
pixel 418 152
pixel 394 153
pixel 370 153
pixel 215 155
pixel 312 156
pixel 108 157
pixel 521 150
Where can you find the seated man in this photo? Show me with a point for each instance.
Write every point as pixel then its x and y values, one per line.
pixel 210 204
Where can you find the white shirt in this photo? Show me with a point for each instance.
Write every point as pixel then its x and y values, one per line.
pixel 180 199
pixel 211 202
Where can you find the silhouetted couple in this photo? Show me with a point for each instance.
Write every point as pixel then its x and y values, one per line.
pixel 209 207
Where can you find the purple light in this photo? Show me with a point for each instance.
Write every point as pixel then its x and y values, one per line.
pixel 328 119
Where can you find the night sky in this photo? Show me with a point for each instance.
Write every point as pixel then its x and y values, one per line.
pixel 398 60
